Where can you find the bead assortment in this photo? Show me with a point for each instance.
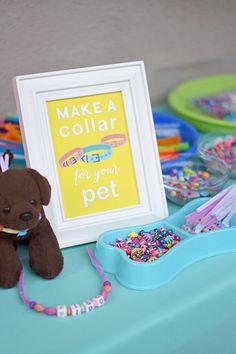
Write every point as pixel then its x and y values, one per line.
pixel 221 106
pixel 224 148
pixel 147 246
pixel 185 183
pixel 74 309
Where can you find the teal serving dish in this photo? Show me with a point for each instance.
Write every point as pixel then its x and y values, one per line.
pixel 191 249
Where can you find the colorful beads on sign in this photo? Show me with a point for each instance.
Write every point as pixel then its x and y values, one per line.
pixel 147 246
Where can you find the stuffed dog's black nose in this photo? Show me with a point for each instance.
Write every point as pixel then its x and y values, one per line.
pixel 26 216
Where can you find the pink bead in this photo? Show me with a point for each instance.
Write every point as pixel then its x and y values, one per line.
pixel 104 294
pixel 154 253
pixel 129 250
pixel 107 288
pixel 68 311
pixel 143 242
pixel 50 311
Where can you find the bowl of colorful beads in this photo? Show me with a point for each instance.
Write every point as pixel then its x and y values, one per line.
pixel 137 255
pixel 194 177
pixel 219 145
pixel 143 257
pixel 208 103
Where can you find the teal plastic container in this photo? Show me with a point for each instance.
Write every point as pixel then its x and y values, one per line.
pixel 191 249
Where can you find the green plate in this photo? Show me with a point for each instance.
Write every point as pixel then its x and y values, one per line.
pixel 180 99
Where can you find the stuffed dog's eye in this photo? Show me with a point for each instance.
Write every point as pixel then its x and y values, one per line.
pixel 7 210
pixel 33 202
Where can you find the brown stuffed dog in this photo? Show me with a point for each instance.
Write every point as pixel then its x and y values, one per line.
pixel 23 192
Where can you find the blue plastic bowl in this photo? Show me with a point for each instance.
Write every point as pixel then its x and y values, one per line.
pixel 187 132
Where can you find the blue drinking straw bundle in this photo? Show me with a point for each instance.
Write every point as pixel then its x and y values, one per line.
pixel 215 214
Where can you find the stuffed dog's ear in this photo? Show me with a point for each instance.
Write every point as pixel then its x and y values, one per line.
pixel 5 160
pixel 43 185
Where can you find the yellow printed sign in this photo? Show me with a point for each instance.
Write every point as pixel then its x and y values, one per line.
pixel 92 152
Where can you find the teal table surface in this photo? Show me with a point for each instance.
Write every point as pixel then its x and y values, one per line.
pixel 194 313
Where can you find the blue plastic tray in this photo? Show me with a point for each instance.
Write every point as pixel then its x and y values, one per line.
pixel 187 132
pixel 191 248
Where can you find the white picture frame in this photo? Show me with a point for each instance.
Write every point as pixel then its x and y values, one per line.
pixel 35 93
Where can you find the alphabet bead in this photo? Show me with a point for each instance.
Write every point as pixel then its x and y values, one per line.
pixel 99 300
pixel 88 305
pixel 75 310
pixel 61 311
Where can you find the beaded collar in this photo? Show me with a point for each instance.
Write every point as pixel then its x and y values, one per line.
pixel 75 309
pixel 17 233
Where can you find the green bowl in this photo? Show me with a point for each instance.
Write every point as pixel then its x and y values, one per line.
pixel 180 99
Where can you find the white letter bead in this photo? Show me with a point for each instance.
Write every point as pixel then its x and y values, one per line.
pixel 99 300
pixel 61 311
pixel 75 309
pixel 88 305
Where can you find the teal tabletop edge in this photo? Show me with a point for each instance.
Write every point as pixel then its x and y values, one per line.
pixel 192 314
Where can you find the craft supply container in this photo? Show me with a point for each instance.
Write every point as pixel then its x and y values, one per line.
pixel 208 141
pixel 191 248
pixel 187 132
pixel 182 192
pixel 180 100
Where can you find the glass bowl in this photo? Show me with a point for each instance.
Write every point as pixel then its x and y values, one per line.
pixel 194 177
pixel 220 145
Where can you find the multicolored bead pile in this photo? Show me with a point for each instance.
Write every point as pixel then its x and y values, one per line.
pixel 224 147
pixel 186 183
pixel 222 105
pixel 147 246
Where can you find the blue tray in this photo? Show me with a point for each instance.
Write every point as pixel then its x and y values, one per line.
pixel 187 132
pixel 191 248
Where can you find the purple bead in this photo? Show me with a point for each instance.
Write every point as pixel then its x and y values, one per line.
pixel 106 282
pixel 147 236
pixel 32 304
pixel 173 172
